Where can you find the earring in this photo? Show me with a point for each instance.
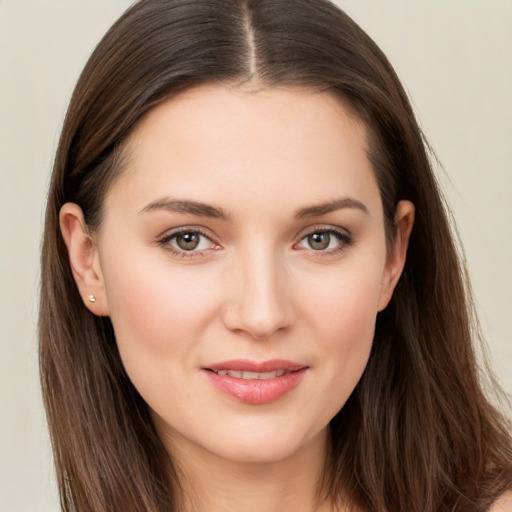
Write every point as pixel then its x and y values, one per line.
pixel 91 298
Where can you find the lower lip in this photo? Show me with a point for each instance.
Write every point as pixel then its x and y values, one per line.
pixel 256 392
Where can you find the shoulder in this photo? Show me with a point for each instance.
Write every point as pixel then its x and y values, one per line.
pixel 503 504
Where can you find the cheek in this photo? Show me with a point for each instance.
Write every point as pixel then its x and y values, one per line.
pixel 151 306
pixel 341 318
pixel 345 302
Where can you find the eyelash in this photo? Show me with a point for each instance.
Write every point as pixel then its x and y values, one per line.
pixel 164 242
pixel 345 240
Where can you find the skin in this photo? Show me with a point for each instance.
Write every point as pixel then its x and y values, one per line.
pixel 504 504
pixel 256 288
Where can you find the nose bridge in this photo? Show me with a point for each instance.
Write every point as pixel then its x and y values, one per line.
pixel 258 302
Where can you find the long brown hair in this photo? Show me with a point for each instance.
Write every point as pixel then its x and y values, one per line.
pixel 418 433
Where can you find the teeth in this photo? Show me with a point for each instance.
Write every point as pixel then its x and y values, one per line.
pixel 271 375
pixel 251 375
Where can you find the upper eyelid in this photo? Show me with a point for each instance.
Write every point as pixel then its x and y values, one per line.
pixel 206 231
pixel 325 228
pixel 170 233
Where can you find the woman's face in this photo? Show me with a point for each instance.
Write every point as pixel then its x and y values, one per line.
pixel 243 259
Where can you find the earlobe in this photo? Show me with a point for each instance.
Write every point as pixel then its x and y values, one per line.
pixel 404 222
pixel 83 258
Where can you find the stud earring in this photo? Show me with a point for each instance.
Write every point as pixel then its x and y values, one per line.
pixel 91 298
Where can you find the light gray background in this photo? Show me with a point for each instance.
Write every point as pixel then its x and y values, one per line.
pixel 454 57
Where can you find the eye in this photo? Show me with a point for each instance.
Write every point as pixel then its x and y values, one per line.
pixel 325 240
pixel 187 242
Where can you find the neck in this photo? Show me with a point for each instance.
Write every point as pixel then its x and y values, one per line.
pixel 213 484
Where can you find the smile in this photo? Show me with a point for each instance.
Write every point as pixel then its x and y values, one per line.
pixel 246 375
pixel 256 383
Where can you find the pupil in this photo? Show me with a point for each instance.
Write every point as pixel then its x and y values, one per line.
pixel 319 241
pixel 188 241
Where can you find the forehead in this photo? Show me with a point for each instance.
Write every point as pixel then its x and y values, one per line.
pixel 219 143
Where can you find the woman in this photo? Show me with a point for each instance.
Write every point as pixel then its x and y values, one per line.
pixel 251 298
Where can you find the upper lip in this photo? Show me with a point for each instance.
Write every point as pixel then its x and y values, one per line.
pixel 256 366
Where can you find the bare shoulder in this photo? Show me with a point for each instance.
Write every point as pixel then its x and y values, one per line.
pixel 503 504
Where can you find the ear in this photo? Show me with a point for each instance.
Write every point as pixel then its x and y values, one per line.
pixel 404 221
pixel 84 259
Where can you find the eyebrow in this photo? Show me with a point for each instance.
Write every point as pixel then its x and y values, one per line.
pixel 215 212
pixel 187 206
pixel 331 206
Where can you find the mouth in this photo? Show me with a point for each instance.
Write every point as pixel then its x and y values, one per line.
pixel 256 383
pixel 246 375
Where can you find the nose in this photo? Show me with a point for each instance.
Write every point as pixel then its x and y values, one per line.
pixel 258 296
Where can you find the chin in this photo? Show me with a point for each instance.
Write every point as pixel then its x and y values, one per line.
pixel 259 451
pixel 264 444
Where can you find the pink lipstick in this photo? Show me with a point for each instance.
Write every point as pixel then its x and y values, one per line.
pixel 253 382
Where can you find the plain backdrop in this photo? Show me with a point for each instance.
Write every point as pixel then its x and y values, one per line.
pixel 455 59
